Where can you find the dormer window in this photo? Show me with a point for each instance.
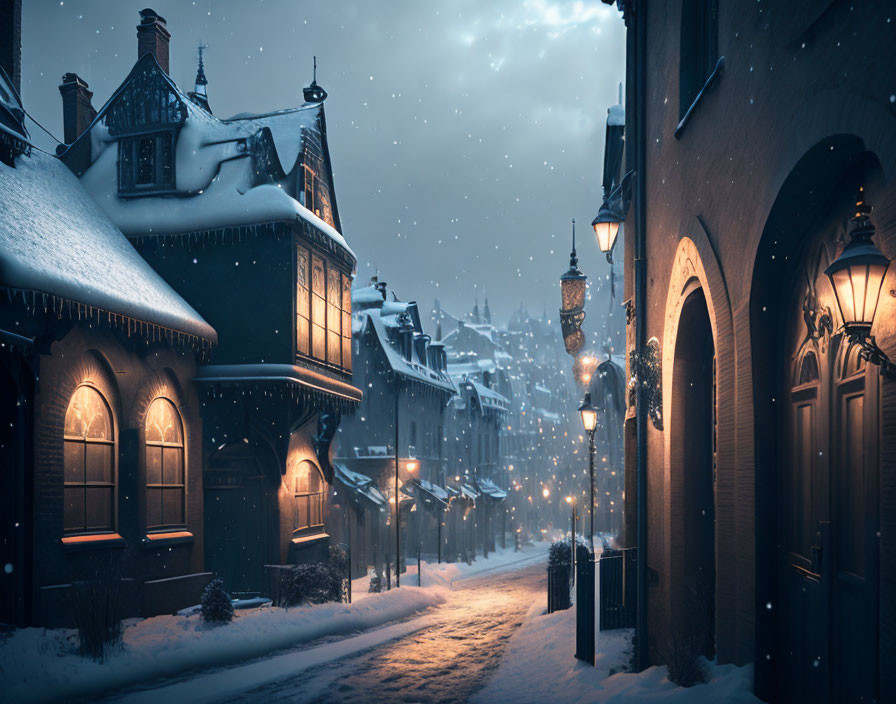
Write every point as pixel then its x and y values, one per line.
pixel 146 163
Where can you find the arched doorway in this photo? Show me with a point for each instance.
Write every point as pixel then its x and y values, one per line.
pixel 692 466
pixel 817 461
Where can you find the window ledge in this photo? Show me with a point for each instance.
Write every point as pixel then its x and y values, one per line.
pixel 303 539
pixel 160 540
pixel 95 541
pixel 710 82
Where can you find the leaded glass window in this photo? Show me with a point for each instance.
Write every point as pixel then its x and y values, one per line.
pixel 303 301
pixel 146 164
pixel 88 464
pixel 165 472
pixel 318 309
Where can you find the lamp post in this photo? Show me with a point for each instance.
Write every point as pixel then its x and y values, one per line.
pixel 571 500
pixel 397 498
pixel 589 420
pixel 857 277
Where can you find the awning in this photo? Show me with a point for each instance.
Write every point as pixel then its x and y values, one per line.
pixel 360 484
pixel 490 489
pixel 468 492
pixel 426 493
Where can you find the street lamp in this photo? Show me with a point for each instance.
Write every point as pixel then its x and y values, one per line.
pixel 572 291
pixel 857 277
pixel 589 420
pixel 606 227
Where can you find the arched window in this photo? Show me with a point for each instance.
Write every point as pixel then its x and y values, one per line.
pixel 165 479
pixel 308 511
pixel 89 464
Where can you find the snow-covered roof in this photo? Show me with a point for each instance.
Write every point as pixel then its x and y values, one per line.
pixel 217 178
pixel 489 398
pixel 360 483
pixel 398 363
pixel 616 116
pixel 54 240
pixel 489 488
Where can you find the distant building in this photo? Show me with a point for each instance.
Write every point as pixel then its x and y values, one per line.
pixel 240 217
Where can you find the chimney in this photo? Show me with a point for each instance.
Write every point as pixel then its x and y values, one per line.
pixel 153 37
pixel 381 287
pixel 11 41
pixel 77 111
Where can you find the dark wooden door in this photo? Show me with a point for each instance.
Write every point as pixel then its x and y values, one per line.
pixel 234 530
pixel 854 536
pixel 829 518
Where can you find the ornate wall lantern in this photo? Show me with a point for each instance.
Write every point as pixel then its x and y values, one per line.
pixel 857 277
pixel 572 312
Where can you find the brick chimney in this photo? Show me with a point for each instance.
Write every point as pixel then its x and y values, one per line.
pixel 153 37
pixel 11 41
pixel 77 111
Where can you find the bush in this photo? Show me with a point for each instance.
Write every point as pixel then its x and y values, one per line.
pixel 377 583
pixel 95 605
pixel 215 604
pixel 560 556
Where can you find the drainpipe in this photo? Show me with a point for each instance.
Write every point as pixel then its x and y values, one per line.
pixel 636 40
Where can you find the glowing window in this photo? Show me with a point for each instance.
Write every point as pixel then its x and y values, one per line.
pixel 309 498
pixel 318 309
pixel 303 301
pixel 89 463
pixel 165 475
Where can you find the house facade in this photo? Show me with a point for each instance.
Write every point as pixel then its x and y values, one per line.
pixel 239 216
pixel 765 434
pixel 101 440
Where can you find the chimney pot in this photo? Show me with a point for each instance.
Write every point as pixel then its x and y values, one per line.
pixel 77 110
pixel 153 37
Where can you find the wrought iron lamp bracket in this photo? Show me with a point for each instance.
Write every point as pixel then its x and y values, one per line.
pixel 870 352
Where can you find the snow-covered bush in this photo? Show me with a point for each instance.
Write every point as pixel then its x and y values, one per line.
pixel 377 583
pixel 95 606
pixel 339 566
pixel 560 556
pixel 215 604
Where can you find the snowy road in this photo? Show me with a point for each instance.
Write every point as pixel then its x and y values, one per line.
pixel 447 660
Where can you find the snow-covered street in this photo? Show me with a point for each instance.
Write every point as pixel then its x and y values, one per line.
pixel 445 655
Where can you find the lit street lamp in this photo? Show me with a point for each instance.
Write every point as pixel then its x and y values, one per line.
pixel 589 420
pixel 572 290
pixel 857 277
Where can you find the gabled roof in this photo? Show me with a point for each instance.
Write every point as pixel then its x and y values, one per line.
pixel 55 241
pixel 371 324
pixel 229 173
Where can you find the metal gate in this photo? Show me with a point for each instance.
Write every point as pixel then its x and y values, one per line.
pixel 618 588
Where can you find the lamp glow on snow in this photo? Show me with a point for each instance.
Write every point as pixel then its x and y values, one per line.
pixel 857 277
pixel 588 413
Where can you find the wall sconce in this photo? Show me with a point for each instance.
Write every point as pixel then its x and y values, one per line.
pixel 857 277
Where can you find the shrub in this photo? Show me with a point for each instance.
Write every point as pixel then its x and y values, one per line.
pixel 340 572
pixel 312 583
pixel 560 556
pixel 215 604
pixel 377 583
pixel 95 605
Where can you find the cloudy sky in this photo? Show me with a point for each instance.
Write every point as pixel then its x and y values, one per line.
pixel 465 134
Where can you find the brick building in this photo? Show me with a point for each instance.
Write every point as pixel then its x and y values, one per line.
pixel 765 436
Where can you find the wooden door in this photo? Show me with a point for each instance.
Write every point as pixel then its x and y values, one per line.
pixel 854 534
pixel 804 589
pixel 234 529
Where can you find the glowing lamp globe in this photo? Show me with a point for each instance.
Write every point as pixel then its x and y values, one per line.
pixel 589 414
pixel 857 275
pixel 606 227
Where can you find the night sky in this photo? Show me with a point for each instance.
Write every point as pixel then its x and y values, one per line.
pixel 464 135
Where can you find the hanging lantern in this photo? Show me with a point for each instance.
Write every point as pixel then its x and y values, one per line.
pixel 589 414
pixel 606 227
pixel 572 312
pixel 857 275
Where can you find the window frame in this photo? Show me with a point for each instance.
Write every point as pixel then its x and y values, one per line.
pixel 323 318
pixel 164 179
pixel 113 485
pixel 162 485
pixel 297 494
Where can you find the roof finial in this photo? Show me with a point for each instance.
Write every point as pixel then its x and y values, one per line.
pixel 199 94
pixel 314 93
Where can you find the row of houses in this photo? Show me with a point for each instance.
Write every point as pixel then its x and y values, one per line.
pixel 175 340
